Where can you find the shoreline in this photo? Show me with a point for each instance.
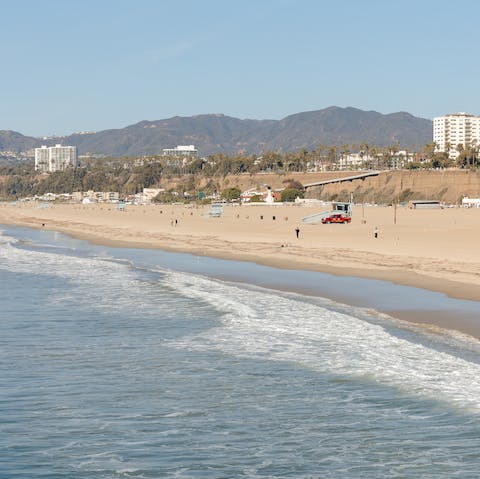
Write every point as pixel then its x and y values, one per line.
pixel 434 274
pixel 453 289
pixel 228 238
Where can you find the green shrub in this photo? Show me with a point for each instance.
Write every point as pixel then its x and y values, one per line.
pixel 290 194
pixel 231 194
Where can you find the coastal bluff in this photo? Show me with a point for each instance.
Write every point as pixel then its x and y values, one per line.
pixel 448 186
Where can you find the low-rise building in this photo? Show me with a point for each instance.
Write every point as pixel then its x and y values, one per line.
pixel 96 196
pixel 268 195
pixel 181 155
pixel 181 151
pixel 110 196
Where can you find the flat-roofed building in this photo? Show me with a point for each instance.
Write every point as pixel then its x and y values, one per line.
pixel 55 158
pixel 455 129
pixel 181 150
pixel 42 156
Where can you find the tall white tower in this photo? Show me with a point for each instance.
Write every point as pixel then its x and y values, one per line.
pixel 452 130
pixel 55 158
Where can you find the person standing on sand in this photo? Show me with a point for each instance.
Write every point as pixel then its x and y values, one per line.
pixel 297 231
pixel 375 232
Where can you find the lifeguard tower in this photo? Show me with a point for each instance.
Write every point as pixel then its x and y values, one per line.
pixel 216 210
pixel 337 207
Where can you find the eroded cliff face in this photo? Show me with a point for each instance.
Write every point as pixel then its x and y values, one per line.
pixel 448 186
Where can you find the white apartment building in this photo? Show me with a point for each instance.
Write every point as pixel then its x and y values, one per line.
pixel 55 158
pixel 352 161
pixel 455 129
pixel 42 156
pixel 181 150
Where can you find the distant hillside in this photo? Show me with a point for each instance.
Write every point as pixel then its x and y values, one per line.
pixel 220 133
pixel 13 141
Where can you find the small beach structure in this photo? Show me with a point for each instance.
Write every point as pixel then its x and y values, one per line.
pixel 121 206
pixel 424 204
pixel 470 202
pixel 216 210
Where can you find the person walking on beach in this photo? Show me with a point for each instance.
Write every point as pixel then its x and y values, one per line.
pixel 297 231
pixel 375 232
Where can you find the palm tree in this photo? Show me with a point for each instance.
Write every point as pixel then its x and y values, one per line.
pixel 332 154
pixel 364 151
pixel 344 151
pixel 475 149
pixel 320 152
pixel 448 147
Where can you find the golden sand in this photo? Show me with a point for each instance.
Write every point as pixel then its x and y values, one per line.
pixel 433 249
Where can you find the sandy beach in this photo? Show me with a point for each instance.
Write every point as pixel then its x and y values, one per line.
pixel 432 249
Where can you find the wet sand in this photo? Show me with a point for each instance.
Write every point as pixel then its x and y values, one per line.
pixel 431 249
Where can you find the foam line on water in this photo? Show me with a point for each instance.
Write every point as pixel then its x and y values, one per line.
pixel 272 326
pixel 264 324
pixel 97 282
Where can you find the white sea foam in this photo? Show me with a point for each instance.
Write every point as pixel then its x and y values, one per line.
pixel 270 325
pixel 101 283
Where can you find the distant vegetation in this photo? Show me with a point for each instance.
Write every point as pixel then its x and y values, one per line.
pixel 231 194
pixel 129 175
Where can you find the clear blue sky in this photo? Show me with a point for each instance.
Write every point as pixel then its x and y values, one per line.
pixel 73 65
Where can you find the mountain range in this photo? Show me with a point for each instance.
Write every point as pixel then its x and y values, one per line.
pixel 215 133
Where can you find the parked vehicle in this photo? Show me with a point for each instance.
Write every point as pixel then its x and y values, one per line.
pixel 336 218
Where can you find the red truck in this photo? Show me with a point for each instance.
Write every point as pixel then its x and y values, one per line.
pixel 336 218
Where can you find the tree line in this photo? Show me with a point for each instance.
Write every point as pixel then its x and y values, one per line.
pixel 129 175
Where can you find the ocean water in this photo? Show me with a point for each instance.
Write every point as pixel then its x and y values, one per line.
pixel 120 363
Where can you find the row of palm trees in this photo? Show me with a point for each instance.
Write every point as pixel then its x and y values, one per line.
pixel 118 176
pixel 323 157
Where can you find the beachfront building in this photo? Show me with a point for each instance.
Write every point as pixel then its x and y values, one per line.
pixel 268 196
pixel 96 196
pixel 55 158
pixel 456 129
pixel 470 202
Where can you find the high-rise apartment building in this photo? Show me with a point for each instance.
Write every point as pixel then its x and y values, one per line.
pixel 452 130
pixel 55 158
